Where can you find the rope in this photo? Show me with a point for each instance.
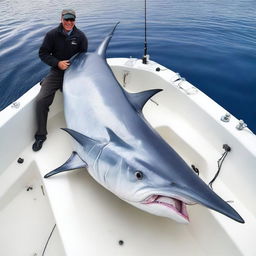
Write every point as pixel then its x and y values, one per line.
pixel 48 240
pixel 220 162
pixel 227 149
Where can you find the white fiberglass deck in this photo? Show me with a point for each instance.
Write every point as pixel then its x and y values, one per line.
pixel 92 221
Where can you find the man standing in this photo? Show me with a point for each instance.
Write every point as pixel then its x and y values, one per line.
pixel 59 45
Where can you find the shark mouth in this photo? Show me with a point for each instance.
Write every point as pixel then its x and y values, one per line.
pixel 174 204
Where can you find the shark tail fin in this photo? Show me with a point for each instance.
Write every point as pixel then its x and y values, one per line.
pixel 74 162
pixel 101 50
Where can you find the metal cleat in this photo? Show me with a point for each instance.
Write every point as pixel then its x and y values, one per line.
pixel 226 117
pixel 241 125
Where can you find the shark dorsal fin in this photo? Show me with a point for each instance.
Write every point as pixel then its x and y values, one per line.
pixel 115 139
pixel 101 50
pixel 138 100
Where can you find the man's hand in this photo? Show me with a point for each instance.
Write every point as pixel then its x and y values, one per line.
pixel 63 65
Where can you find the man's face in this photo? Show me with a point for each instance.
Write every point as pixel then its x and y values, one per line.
pixel 68 24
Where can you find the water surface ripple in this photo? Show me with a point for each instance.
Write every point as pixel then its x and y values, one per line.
pixel 210 43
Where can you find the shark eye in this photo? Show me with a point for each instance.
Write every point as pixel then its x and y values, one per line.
pixel 139 175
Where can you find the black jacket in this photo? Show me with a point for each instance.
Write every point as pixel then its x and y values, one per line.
pixel 58 46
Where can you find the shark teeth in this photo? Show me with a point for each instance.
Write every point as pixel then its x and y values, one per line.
pixel 174 204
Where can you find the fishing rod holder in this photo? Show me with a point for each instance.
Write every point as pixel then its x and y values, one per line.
pixel 145 59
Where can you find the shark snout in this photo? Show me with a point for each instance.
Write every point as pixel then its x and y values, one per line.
pixel 205 196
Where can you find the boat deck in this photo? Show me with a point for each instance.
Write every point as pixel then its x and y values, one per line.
pixel 91 220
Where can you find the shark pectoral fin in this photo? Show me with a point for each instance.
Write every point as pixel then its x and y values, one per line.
pixel 138 100
pixel 83 140
pixel 74 162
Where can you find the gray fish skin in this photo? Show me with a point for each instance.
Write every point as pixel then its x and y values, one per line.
pixel 121 150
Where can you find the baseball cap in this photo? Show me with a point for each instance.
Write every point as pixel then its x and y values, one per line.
pixel 68 14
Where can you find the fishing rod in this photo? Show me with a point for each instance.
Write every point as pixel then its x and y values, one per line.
pixel 145 56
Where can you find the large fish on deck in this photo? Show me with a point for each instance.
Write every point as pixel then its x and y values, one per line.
pixel 120 149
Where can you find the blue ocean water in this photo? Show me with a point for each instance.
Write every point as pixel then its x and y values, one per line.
pixel 210 43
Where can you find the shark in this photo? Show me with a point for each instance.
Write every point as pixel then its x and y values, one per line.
pixel 119 148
